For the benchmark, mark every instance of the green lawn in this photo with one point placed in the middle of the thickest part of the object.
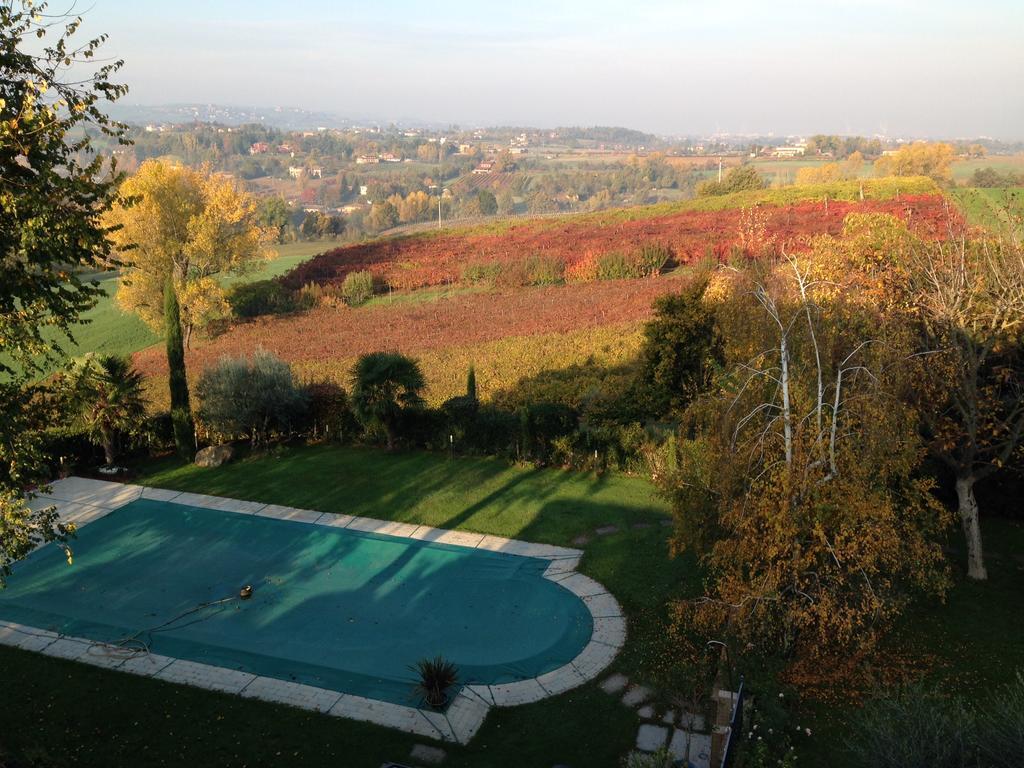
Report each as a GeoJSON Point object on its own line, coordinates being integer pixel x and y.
{"type": "Point", "coordinates": [107, 329]}
{"type": "Point", "coordinates": [65, 714]}
{"type": "Point", "coordinates": [61, 713]}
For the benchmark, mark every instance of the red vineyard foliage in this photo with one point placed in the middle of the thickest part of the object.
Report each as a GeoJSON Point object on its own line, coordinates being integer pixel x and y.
{"type": "Point", "coordinates": [334, 333]}
{"type": "Point", "coordinates": [424, 260]}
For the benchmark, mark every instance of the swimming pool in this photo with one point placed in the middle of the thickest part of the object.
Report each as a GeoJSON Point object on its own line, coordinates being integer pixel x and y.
{"type": "Point", "coordinates": [334, 606]}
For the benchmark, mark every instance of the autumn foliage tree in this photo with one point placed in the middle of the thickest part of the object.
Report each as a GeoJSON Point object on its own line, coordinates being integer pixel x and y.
{"type": "Point", "coordinates": [801, 488]}
{"type": "Point", "coordinates": [969, 292]}
{"type": "Point", "coordinates": [54, 188]}
{"type": "Point", "coordinates": [922, 158]}
{"type": "Point", "coordinates": [189, 225]}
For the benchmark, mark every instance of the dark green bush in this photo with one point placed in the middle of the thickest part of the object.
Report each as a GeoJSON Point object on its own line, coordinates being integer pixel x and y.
{"type": "Point", "coordinates": [262, 297]}
{"type": "Point", "coordinates": [329, 415]}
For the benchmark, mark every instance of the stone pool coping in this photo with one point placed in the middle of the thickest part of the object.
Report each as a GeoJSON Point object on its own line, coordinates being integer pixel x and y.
{"type": "Point", "coordinates": [80, 501]}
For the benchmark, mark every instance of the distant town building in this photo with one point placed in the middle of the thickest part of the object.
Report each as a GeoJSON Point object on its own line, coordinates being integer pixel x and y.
{"type": "Point", "coordinates": [259, 148]}
{"type": "Point", "coordinates": [487, 166]}
{"type": "Point", "coordinates": [295, 171]}
{"type": "Point", "coordinates": [791, 150]}
{"type": "Point", "coordinates": [315, 173]}
{"type": "Point", "coordinates": [367, 160]}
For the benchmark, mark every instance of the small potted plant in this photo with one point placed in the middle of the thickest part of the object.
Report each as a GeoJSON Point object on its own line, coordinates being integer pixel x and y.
{"type": "Point", "coordinates": [436, 676]}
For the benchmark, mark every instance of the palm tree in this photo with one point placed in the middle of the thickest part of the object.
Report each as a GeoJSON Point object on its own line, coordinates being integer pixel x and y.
{"type": "Point", "coordinates": [106, 394]}
{"type": "Point", "coordinates": [384, 385]}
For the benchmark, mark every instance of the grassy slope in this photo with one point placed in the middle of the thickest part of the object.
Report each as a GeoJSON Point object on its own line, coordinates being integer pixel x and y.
{"type": "Point", "coordinates": [110, 330]}
{"type": "Point", "coordinates": [1000, 209]}
{"type": "Point", "coordinates": [69, 714]}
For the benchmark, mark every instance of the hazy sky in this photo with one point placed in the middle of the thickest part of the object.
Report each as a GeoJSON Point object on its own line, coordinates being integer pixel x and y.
{"type": "Point", "coordinates": [923, 67]}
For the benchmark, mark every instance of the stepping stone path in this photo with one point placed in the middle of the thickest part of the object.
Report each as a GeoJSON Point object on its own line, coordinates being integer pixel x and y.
{"type": "Point", "coordinates": [429, 755]}
{"type": "Point", "coordinates": [614, 684]}
{"type": "Point", "coordinates": [605, 530]}
{"type": "Point", "coordinates": [641, 526]}
{"type": "Point", "coordinates": [651, 738]}
{"type": "Point", "coordinates": [636, 695]}
{"type": "Point", "coordinates": [692, 722]}
{"type": "Point", "coordinates": [700, 748]}
{"type": "Point", "coordinates": [581, 540]}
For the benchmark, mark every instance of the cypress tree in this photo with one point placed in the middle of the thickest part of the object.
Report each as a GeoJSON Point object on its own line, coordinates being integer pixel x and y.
{"type": "Point", "coordinates": [471, 384]}
{"type": "Point", "coordinates": [181, 412]}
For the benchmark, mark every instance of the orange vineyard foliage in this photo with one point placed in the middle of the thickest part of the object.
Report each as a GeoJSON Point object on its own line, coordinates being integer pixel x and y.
{"type": "Point", "coordinates": [427, 259]}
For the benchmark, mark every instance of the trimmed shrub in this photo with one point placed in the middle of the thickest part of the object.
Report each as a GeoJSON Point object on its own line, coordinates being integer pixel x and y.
{"type": "Point", "coordinates": [257, 399]}
{"type": "Point", "coordinates": [262, 297]}
{"type": "Point", "coordinates": [357, 288]}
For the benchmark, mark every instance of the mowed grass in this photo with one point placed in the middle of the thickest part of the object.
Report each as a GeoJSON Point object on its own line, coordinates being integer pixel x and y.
{"type": "Point", "coordinates": [60, 713]}
{"type": "Point", "coordinates": [475, 494]}
{"type": "Point", "coordinates": [108, 329]}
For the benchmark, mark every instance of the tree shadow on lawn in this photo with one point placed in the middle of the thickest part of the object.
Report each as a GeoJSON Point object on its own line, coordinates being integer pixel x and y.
{"type": "Point", "coordinates": [481, 495]}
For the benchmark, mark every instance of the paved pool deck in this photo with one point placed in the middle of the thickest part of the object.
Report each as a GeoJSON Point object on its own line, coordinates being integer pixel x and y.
{"type": "Point", "coordinates": [82, 501]}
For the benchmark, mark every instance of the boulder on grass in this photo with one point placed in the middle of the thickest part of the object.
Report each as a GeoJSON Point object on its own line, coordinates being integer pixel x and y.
{"type": "Point", "coordinates": [214, 456]}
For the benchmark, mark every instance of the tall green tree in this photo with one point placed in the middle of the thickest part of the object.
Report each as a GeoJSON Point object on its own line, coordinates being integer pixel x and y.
{"type": "Point", "coordinates": [107, 396]}
{"type": "Point", "coordinates": [54, 190]}
{"type": "Point", "coordinates": [181, 411]}
{"type": "Point", "coordinates": [682, 351]}
{"type": "Point", "coordinates": [384, 386]}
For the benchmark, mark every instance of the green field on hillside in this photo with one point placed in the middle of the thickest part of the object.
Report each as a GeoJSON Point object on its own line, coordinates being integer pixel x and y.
{"type": "Point", "coordinates": [963, 169]}
{"type": "Point", "coordinates": [1000, 210]}
{"type": "Point", "coordinates": [107, 329]}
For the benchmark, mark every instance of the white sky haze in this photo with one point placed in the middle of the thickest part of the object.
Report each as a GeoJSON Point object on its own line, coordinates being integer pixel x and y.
{"type": "Point", "coordinates": [903, 67]}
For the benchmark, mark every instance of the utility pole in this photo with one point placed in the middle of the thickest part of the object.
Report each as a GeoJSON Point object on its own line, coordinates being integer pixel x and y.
{"type": "Point", "coordinates": [719, 170]}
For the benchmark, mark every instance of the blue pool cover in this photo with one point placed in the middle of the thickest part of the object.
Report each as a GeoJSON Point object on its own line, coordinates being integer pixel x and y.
{"type": "Point", "coordinates": [335, 608]}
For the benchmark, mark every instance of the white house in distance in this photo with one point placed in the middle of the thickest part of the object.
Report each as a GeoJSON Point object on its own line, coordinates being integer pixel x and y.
{"type": "Point", "coordinates": [799, 149]}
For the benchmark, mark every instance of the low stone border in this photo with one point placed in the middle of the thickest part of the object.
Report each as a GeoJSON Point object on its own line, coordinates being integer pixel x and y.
{"type": "Point", "coordinates": [81, 500]}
